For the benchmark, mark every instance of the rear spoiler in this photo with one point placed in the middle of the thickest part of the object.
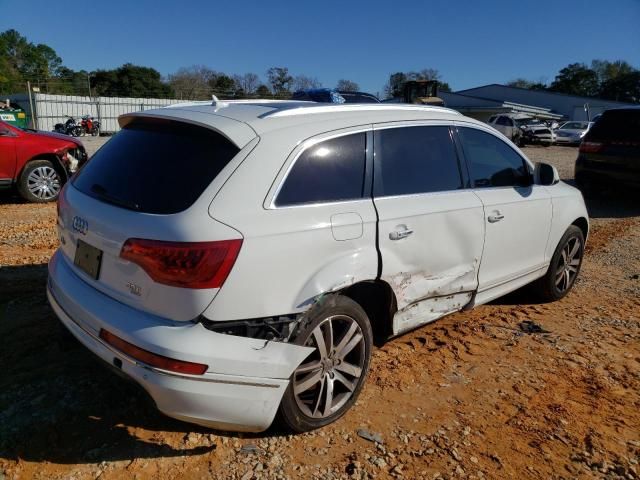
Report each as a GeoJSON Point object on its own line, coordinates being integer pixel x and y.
{"type": "Point", "coordinates": [238, 133]}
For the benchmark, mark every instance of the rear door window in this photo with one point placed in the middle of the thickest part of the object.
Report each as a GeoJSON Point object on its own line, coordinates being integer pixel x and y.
{"type": "Point", "coordinates": [493, 163]}
{"type": "Point", "coordinates": [411, 160]}
{"type": "Point", "coordinates": [155, 167]}
{"type": "Point", "coordinates": [329, 171]}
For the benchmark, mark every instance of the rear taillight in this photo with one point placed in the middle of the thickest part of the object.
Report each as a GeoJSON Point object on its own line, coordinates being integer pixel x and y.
{"type": "Point", "coordinates": [590, 147]}
{"type": "Point", "coordinates": [186, 265]}
{"type": "Point", "coordinates": [152, 359]}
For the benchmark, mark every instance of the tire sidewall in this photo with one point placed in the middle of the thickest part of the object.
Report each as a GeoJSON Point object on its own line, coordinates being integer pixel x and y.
{"type": "Point", "coordinates": [572, 231]}
{"type": "Point", "coordinates": [328, 306]}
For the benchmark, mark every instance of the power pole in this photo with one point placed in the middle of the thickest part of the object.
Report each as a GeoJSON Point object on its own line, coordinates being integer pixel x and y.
{"type": "Point", "coordinates": [33, 112]}
{"type": "Point", "coordinates": [89, 83]}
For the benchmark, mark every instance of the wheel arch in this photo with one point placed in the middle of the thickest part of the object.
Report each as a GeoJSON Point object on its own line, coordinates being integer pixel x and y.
{"type": "Point", "coordinates": [377, 299]}
{"type": "Point", "coordinates": [583, 224]}
{"type": "Point", "coordinates": [53, 158]}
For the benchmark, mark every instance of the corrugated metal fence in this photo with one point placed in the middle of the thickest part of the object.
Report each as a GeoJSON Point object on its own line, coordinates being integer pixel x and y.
{"type": "Point", "coordinates": [52, 109]}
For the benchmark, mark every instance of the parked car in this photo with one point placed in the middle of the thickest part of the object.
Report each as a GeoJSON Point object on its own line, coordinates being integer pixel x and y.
{"type": "Point", "coordinates": [37, 163]}
{"type": "Point", "coordinates": [523, 129]}
{"type": "Point", "coordinates": [293, 233]}
{"type": "Point", "coordinates": [330, 95]}
{"type": "Point", "coordinates": [610, 151]}
{"type": "Point", "coordinates": [571, 133]}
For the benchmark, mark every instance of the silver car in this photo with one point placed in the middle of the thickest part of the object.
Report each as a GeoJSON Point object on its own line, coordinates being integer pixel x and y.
{"type": "Point", "coordinates": [571, 133]}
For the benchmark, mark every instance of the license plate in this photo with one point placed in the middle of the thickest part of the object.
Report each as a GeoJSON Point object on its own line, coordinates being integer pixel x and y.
{"type": "Point", "coordinates": [88, 259]}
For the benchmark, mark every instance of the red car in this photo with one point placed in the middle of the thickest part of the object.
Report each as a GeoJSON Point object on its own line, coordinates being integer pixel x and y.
{"type": "Point", "coordinates": [37, 163]}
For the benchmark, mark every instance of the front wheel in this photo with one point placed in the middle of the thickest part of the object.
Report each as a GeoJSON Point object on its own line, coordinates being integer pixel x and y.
{"type": "Point", "coordinates": [564, 267]}
{"type": "Point", "coordinates": [329, 380]}
{"type": "Point", "coordinates": [40, 182]}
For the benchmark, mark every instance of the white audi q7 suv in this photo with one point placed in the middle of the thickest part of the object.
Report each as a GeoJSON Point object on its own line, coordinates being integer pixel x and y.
{"type": "Point", "coordinates": [236, 259]}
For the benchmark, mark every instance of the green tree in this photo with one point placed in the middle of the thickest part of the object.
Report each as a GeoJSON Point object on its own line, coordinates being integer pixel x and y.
{"type": "Point", "coordinates": [263, 91]}
{"type": "Point", "coordinates": [576, 79]}
{"type": "Point", "coordinates": [528, 84]}
{"type": "Point", "coordinates": [622, 88]}
{"type": "Point", "coordinates": [393, 88]}
{"type": "Point", "coordinates": [223, 85]}
{"type": "Point", "coordinates": [347, 85]}
{"type": "Point", "coordinates": [21, 60]}
{"type": "Point", "coordinates": [280, 80]}
{"type": "Point", "coordinates": [607, 70]}
{"type": "Point", "coordinates": [130, 81]}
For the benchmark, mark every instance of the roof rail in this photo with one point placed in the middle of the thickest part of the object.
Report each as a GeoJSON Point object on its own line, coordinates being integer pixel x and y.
{"type": "Point", "coordinates": [356, 108]}
{"type": "Point", "coordinates": [188, 104]}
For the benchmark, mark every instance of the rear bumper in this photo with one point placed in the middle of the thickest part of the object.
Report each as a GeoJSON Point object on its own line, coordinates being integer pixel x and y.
{"type": "Point", "coordinates": [568, 140]}
{"type": "Point", "coordinates": [246, 378]}
{"type": "Point", "coordinates": [600, 173]}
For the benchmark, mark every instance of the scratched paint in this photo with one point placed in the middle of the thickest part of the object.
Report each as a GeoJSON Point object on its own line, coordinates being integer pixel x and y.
{"type": "Point", "coordinates": [422, 298]}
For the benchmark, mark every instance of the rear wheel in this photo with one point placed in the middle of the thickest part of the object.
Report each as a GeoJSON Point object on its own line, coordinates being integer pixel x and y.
{"type": "Point", "coordinates": [329, 380]}
{"type": "Point", "coordinates": [564, 267]}
{"type": "Point", "coordinates": [40, 182]}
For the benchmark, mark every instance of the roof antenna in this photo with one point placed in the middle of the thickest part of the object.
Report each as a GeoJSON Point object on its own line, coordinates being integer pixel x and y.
{"type": "Point", "coordinates": [215, 100]}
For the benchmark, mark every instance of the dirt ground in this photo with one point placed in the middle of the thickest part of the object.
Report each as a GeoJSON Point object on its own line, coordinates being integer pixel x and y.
{"type": "Point", "coordinates": [513, 389]}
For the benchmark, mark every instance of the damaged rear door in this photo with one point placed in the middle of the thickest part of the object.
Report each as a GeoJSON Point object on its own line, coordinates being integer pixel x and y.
{"type": "Point", "coordinates": [431, 229]}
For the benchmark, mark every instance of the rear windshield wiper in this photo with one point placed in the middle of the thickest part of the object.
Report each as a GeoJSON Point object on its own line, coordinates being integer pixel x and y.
{"type": "Point", "coordinates": [102, 193]}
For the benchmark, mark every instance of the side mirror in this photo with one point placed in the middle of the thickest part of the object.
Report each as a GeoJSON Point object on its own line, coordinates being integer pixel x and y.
{"type": "Point", "coordinates": [545, 174]}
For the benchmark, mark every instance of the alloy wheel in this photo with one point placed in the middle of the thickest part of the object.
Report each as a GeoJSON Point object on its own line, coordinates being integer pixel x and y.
{"type": "Point", "coordinates": [44, 183]}
{"type": "Point", "coordinates": [327, 380]}
{"type": "Point", "coordinates": [568, 265]}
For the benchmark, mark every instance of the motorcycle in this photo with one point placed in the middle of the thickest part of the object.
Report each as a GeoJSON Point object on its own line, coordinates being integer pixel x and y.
{"type": "Point", "coordinates": [90, 126]}
{"type": "Point", "coordinates": [70, 127]}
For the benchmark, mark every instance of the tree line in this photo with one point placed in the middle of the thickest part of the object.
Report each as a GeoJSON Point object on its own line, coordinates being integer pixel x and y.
{"type": "Point", "coordinates": [22, 61]}
{"type": "Point", "coordinates": [617, 80]}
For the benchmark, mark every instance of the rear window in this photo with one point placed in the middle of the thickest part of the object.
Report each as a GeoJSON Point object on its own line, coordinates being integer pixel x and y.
{"type": "Point", "coordinates": [155, 167]}
{"type": "Point", "coordinates": [617, 126]}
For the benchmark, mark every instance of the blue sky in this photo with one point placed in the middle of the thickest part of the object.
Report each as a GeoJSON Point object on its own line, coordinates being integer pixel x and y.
{"type": "Point", "coordinates": [471, 43]}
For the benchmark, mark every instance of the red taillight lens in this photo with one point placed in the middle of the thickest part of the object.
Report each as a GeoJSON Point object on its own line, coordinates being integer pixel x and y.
{"type": "Point", "coordinates": [186, 265]}
{"type": "Point", "coordinates": [152, 359]}
{"type": "Point", "coordinates": [590, 147]}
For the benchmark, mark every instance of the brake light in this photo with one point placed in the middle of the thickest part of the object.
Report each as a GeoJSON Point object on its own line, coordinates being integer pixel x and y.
{"type": "Point", "coordinates": [152, 359]}
{"type": "Point", "coordinates": [181, 264]}
{"type": "Point", "coordinates": [590, 147]}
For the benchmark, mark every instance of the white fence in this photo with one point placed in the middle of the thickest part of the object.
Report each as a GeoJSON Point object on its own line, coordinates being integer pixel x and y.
{"type": "Point", "coordinates": [52, 109]}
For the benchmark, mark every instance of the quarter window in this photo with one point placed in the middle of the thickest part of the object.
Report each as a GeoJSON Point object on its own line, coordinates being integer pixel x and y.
{"type": "Point", "coordinates": [493, 163]}
{"type": "Point", "coordinates": [328, 171]}
{"type": "Point", "coordinates": [412, 160]}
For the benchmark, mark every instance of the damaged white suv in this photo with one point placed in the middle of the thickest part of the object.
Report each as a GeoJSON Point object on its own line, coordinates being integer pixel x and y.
{"type": "Point", "coordinates": [236, 259]}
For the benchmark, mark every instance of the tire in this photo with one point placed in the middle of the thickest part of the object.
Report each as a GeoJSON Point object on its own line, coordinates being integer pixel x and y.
{"type": "Point", "coordinates": [341, 370]}
{"type": "Point", "coordinates": [564, 267]}
{"type": "Point", "coordinates": [40, 182]}
{"type": "Point", "coordinates": [95, 131]}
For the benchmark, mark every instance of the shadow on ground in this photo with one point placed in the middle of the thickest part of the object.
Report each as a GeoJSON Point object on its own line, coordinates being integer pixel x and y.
{"type": "Point", "coordinates": [9, 196]}
{"type": "Point", "coordinates": [58, 402]}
